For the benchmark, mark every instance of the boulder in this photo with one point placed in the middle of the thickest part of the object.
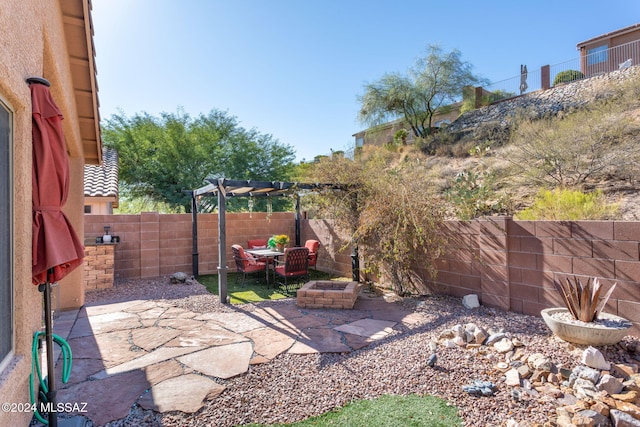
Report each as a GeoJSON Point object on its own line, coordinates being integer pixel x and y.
{"type": "Point", "coordinates": [622, 419]}
{"type": "Point", "coordinates": [178, 277]}
{"type": "Point", "coordinates": [610, 384]}
{"type": "Point", "coordinates": [593, 358]}
{"type": "Point", "coordinates": [470, 301]}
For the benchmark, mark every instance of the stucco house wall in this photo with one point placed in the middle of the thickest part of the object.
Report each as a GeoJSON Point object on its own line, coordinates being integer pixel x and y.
{"type": "Point", "coordinates": [50, 39]}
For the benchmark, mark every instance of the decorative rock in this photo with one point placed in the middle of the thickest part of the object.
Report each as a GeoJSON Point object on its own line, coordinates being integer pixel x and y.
{"type": "Point", "coordinates": [459, 331]}
{"type": "Point", "coordinates": [480, 388]}
{"type": "Point", "coordinates": [517, 343]}
{"type": "Point", "coordinates": [495, 338]}
{"type": "Point", "coordinates": [432, 360]}
{"type": "Point", "coordinates": [600, 408]}
{"type": "Point", "coordinates": [624, 370]}
{"type": "Point", "coordinates": [539, 362]}
{"type": "Point", "coordinates": [480, 335]}
{"type": "Point", "coordinates": [502, 366]}
{"type": "Point", "coordinates": [513, 377]}
{"type": "Point", "coordinates": [470, 301]}
{"type": "Point", "coordinates": [630, 396]}
{"type": "Point", "coordinates": [524, 371]}
{"type": "Point", "coordinates": [591, 419]}
{"type": "Point", "coordinates": [610, 384]}
{"type": "Point", "coordinates": [178, 277]}
{"type": "Point", "coordinates": [433, 346]}
{"type": "Point", "coordinates": [459, 341]}
{"type": "Point", "coordinates": [592, 375]}
{"type": "Point", "coordinates": [622, 419]}
{"type": "Point", "coordinates": [503, 346]}
{"type": "Point", "coordinates": [447, 333]}
{"type": "Point", "coordinates": [468, 336]}
{"type": "Point", "coordinates": [584, 389]}
{"type": "Point", "coordinates": [593, 358]}
{"type": "Point", "coordinates": [555, 378]}
{"type": "Point", "coordinates": [449, 344]}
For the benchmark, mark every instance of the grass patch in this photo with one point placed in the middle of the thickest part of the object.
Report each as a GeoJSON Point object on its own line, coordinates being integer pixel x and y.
{"type": "Point", "coordinates": [412, 410]}
{"type": "Point", "coordinates": [253, 290]}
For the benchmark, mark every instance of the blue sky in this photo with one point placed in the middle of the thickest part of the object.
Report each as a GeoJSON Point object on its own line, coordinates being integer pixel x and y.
{"type": "Point", "coordinates": [294, 68]}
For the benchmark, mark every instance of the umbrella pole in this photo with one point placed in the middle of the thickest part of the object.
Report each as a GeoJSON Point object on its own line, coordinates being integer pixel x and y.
{"type": "Point", "coordinates": [51, 383]}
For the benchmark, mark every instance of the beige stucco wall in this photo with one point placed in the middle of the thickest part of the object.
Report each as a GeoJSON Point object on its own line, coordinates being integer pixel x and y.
{"type": "Point", "coordinates": [33, 44]}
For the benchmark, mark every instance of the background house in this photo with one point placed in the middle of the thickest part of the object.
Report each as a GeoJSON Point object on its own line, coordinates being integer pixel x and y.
{"type": "Point", "coordinates": [611, 51]}
{"type": "Point", "coordinates": [50, 39]}
{"type": "Point", "coordinates": [384, 133]}
{"type": "Point", "coordinates": [101, 184]}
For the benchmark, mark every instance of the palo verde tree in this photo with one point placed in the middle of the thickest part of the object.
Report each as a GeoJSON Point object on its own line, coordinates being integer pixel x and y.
{"type": "Point", "coordinates": [389, 211]}
{"type": "Point", "coordinates": [159, 157]}
{"type": "Point", "coordinates": [434, 82]}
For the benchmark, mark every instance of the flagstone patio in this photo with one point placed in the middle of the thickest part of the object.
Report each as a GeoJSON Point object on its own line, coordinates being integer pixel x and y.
{"type": "Point", "coordinates": [166, 358]}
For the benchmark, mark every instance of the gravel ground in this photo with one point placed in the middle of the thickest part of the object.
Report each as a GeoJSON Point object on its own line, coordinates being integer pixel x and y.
{"type": "Point", "coordinates": [294, 387]}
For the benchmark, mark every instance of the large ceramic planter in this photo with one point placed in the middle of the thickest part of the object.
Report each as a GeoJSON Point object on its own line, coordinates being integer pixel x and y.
{"type": "Point", "coordinates": [610, 331]}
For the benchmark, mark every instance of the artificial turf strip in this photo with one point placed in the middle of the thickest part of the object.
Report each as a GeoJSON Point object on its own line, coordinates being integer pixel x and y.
{"type": "Point", "coordinates": [401, 411]}
{"type": "Point", "coordinates": [253, 290]}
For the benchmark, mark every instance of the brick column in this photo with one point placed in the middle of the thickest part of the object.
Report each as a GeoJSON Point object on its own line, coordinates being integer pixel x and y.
{"type": "Point", "coordinates": [98, 266]}
{"type": "Point", "coordinates": [494, 259]}
{"type": "Point", "coordinates": [149, 244]}
{"type": "Point", "coordinates": [545, 77]}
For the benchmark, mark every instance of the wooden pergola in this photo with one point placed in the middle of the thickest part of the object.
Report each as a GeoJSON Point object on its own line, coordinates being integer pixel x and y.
{"type": "Point", "coordinates": [224, 188]}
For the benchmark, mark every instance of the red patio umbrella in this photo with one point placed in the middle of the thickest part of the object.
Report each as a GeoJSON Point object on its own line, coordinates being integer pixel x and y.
{"type": "Point", "coordinates": [57, 250]}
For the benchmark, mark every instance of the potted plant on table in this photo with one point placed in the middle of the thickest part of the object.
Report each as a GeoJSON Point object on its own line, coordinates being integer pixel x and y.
{"type": "Point", "coordinates": [279, 241]}
{"type": "Point", "coordinates": [582, 321]}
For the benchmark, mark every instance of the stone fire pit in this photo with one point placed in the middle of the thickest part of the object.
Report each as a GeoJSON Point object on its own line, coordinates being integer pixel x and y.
{"type": "Point", "coordinates": [327, 294]}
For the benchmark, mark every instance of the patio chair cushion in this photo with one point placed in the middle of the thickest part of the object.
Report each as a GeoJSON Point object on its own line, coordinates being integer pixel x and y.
{"type": "Point", "coordinates": [257, 243]}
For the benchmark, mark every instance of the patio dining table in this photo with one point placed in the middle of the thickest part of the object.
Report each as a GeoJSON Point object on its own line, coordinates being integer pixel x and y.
{"type": "Point", "coordinates": [265, 253]}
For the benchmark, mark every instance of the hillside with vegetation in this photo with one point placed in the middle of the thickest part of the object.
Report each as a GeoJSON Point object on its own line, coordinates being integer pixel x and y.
{"type": "Point", "coordinates": [582, 163]}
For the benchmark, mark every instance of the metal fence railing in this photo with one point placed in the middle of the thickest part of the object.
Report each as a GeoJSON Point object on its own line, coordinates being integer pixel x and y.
{"type": "Point", "coordinates": [598, 61]}
{"type": "Point", "coordinates": [514, 86]}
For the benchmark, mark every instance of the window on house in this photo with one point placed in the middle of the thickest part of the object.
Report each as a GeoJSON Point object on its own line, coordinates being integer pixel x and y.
{"type": "Point", "coordinates": [87, 209]}
{"type": "Point", "coordinates": [597, 55]}
{"type": "Point", "coordinates": [359, 141]}
{"type": "Point", "coordinates": [6, 237]}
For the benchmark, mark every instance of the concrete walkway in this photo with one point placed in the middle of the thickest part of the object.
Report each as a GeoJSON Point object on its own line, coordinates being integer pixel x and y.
{"type": "Point", "coordinates": [166, 358]}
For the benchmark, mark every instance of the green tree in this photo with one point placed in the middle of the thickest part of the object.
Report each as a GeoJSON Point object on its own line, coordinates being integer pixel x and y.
{"type": "Point", "coordinates": [436, 80]}
{"type": "Point", "coordinates": [159, 157]}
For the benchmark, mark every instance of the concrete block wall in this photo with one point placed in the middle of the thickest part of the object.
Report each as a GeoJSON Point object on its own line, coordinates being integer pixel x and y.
{"type": "Point", "coordinates": [509, 264]}
{"type": "Point", "coordinates": [513, 264]}
{"type": "Point", "coordinates": [153, 244]}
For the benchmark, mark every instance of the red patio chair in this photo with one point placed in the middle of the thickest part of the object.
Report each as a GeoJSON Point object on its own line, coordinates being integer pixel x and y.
{"type": "Point", "coordinates": [313, 246]}
{"type": "Point", "coordinates": [246, 264]}
{"type": "Point", "coordinates": [257, 244]}
{"type": "Point", "coordinates": [295, 266]}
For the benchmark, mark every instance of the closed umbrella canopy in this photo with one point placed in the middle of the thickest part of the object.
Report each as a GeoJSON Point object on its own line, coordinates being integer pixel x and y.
{"type": "Point", "coordinates": [56, 246]}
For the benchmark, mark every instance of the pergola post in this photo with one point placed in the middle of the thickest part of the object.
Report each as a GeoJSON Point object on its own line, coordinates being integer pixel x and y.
{"type": "Point", "coordinates": [194, 235]}
{"type": "Point", "coordinates": [222, 243]}
{"type": "Point", "coordinates": [297, 219]}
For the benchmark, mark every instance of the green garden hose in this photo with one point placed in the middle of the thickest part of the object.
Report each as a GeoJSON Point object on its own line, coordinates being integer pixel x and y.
{"type": "Point", "coordinates": [35, 366]}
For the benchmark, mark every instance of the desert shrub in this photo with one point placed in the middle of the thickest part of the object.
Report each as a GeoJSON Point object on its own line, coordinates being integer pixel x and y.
{"type": "Point", "coordinates": [471, 195]}
{"type": "Point", "coordinates": [585, 146]}
{"type": "Point", "coordinates": [567, 76]}
{"type": "Point", "coordinates": [566, 204]}
{"type": "Point", "coordinates": [389, 210]}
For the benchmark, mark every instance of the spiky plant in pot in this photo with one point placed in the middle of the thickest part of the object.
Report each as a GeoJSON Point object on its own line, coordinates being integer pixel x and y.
{"type": "Point", "coordinates": [583, 301]}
